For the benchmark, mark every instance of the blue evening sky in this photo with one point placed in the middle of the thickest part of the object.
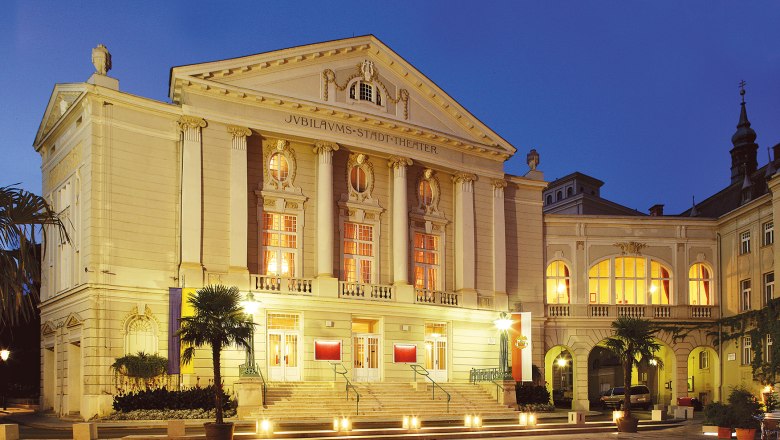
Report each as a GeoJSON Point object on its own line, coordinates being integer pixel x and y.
{"type": "Point", "coordinates": [642, 95]}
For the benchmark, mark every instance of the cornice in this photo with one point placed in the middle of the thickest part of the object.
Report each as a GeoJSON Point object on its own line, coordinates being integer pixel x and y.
{"type": "Point", "coordinates": [270, 100]}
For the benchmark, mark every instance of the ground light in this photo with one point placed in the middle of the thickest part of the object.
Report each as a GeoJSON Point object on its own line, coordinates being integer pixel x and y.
{"type": "Point", "coordinates": [472, 421]}
{"type": "Point", "coordinates": [617, 415]}
{"type": "Point", "coordinates": [264, 427]}
{"type": "Point", "coordinates": [342, 424]}
{"type": "Point", "coordinates": [527, 419]}
{"type": "Point", "coordinates": [410, 422]}
{"type": "Point", "coordinates": [4, 355]}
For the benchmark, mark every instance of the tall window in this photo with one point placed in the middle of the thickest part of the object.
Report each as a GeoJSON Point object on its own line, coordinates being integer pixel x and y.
{"type": "Point", "coordinates": [598, 283]}
{"type": "Point", "coordinates": [558, 283]}
{"type": "Point", "coordinates": [769, 233]}
{"type": "Point", "coordinates": [660, 287]}
{"type": "Point", "coordinates": [744, 243]}
{"type": "Point", "coordinates": [630, 279]}
{"type": "Point", "coordinates": [280, 244]}
{"type": "Point", "coordinates": [358, 252]}
{"type": "Point", "coordinates": [704, 360]}
{"type": "Point", "coordinates": [747, 350]}
{"type": "Point", "coordinates": [769, 287]}
{"type": "Point", "coordinates": [744, 289]}
{"type": "Point", "coordinates": [426, 261]}
{"type": "Point", "coordinates": [700, 285]}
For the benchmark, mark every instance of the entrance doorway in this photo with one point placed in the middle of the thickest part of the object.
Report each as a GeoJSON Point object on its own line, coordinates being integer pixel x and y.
{"type": "Point", "coordinates": [436, 350]}
{"type": "Point", "coordinates": [284, 348]}
{"type": "Point", "coordinates": [74, 378]}
{"type": "Point", "coordinates": [366, 347]}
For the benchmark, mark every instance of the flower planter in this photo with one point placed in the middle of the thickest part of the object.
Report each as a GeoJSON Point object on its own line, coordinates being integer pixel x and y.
{"type": "Point", "coordinates": [219, 431]}
{"type": "Point", "coordinates": [627, 425]}
{"type": "Point", "coordinates": [746, 434]}
{"type": "Point", "coordinates": [724, 432]}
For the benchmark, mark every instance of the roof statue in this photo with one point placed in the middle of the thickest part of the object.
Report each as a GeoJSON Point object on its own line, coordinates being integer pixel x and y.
{"type": "Point", "coordinates": [101, 59]}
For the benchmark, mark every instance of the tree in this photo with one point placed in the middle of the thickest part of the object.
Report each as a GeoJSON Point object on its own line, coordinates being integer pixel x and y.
{"type": "Point", "coordinates": [23, 219]}
{"type": "Point", "coordinates": [632, 341]}
{"type": "Point", "coordinates": [219, 321]}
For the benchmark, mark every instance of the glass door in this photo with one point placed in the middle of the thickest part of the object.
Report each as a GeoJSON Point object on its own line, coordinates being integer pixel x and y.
{"type": "Point", "coordinates": [283, 348]}
{"type": "Point", "coordinates": [436, 351]}
{"type": "Point", "coordinates": [366, 354]}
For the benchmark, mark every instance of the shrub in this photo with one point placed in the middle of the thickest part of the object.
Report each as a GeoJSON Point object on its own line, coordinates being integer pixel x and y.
{"type": "Point", "coordinates": [745, 408]}
{"type": "Point", "coordinates": [143, 370]}
{"type": "Point", "coordinates": [162, 398]}
{"type": "Point", "coordinates": [718, 414]}
{"type": "Point", "coordinates": [536, 407]}
{"type": "Point", "coordinates": [528, 393]}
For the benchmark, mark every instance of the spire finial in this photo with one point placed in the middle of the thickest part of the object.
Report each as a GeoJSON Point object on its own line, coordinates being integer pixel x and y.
{"type": "Point", "coordinates": [694, 212]}
{"type": "Point", "coordinates": [742, 85]}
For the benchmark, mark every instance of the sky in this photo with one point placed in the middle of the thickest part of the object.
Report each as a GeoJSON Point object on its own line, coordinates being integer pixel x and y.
{"type": "Point", "coordinates": [640, 94]}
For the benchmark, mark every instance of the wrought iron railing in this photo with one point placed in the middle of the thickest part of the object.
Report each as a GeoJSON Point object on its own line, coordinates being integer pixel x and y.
{"type": "Point", "coordinates": [248, 370]}
{"type": "Point", "coordinates": [485, 375]}
{"type": "Point", "coordinates": [348, 386]}
{"type": "Point", "coordinates": [420, 370]}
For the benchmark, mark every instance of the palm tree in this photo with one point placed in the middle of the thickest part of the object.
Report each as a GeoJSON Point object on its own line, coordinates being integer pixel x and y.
{"type": "Point", "coordinates": [219, 321]}
{"type": "Point", "coordinates": [632, 341]}
{"type": "Point", "coordinates": [23, 216]}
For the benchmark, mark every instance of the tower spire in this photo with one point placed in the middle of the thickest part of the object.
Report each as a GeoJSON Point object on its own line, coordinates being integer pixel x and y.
{"type": "Point", "coordinates": [743, 155]}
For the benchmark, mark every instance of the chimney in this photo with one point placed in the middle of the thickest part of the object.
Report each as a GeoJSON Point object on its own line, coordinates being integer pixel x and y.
{"type": "Point", "coordinates": [657, 210]}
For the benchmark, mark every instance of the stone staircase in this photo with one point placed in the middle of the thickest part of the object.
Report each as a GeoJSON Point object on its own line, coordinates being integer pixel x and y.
{"type": "Point", "coordinates": [321, 401]}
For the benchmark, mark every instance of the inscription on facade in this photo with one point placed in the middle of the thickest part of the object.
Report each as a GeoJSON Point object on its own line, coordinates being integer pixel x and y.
{"type": "Point", "coordinates": [363, 133]}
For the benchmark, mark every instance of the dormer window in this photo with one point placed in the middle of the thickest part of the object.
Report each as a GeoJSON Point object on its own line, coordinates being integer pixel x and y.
{"type": "Point", "coordinates": [365, 91]}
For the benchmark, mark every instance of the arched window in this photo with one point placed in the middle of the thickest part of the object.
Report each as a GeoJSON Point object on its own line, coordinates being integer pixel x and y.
{"type": "Point", "coordinates": [559, 196]}
{"type": "Point", "coordinates": [569, 192]}
{"type": "Point", "coordinates": [549, 199]}
{"type": "Point", "coordinates": [365, 91]}
{"type": "Point", "coordinates": [140, 336]}
{"type": "Point", "coordinates": [599, 283]}
{"type": "Point", "coordinates": [700, 285]}
{"type": "Point", "coordinates": [558, 283]}
{"type": "Point", "coordinates": [635, 280]}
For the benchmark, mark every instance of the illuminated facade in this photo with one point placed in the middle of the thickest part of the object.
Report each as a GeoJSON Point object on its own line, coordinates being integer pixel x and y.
{"type": "Point", "coordinates": [366, 210]}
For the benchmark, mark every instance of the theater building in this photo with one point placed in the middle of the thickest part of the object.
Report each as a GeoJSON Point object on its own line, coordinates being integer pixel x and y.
{"type": "Point", "coordinates": [369, 214]}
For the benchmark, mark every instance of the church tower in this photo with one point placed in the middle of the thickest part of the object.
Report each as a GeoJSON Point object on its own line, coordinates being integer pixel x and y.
{"type": "Point", "coordinates": [743, 155]}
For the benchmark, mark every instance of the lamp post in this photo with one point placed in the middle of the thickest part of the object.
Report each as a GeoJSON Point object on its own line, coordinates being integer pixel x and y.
{"type": "Point", "coordinates": [250, 305]}
{"type": "Point", "coordinates": [502, 324]}
{"type": "Point", "coordinates": [4, 354]}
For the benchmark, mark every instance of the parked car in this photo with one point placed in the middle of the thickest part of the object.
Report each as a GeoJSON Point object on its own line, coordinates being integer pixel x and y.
{"type": "Point", "coordinates": [640, 397]}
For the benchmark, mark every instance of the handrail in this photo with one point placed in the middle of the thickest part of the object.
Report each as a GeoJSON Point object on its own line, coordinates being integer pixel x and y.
{"type": "Point", "coordinates": [245, 370]}
{"type": "Point", "coordinates": [348, 385]}
{"type": "Point", "coordinates": [416, 370]}
{"type": "Point", "coordinates": [497, 387]}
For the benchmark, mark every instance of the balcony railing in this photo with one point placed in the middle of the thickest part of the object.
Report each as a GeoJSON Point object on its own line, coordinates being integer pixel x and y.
{"type": "Point", "coordinates": [634, 311]}
{"type": "Point", "coordinates": [374, 292]}
{"type": "Point", "coordinates": [277, 284]}
{"type": "Point", "coordinates": [426, 296]}
{"type": "Point", "coordinates": [485, 302]}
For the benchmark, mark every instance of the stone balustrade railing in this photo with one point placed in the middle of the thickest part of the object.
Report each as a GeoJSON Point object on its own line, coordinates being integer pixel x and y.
{"type": "Point", "coordinates": [277, 284]}
{"type": "Point", "coordinates": [612, 311]}
{"type": "Point", "coordinates": [426, 296]}
{"type": "Point", "coordinates": [373, 292]}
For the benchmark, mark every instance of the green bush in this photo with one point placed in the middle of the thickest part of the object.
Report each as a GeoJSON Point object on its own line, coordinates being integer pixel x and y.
{"type": "Point", "coordinates": [162, 398]}
{"type": "Point", "coordinates": [528, 393]}
{"type": "Point", "coordinates": [745, 408]}
{"type": "Point", "coordinates": [718, 414]}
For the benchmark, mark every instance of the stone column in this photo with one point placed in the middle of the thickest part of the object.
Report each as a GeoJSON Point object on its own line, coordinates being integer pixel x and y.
{"type": "Point", "coordinates": [464, 238]}
{"type": "Point", "coordinates": [238, 205]}
{"type": "Point", "coordinates": [191, 270]}
{"type": "Point", "coordinates": [325, 226]}
{"type": "Point", "coordinates": [499, 246]}
{"type": "Point", "coordinates": [400, 220]}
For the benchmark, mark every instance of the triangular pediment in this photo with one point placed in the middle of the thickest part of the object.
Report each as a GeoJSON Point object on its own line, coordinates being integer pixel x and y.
{"type": "Point", "coordinates": [73, 321]}
{"type": "Point", "coordinates": [323, 76]}
{"type": "Point", "coordinates": [48, 328]}
{"type": "Point", "coordinates": [61, 100]}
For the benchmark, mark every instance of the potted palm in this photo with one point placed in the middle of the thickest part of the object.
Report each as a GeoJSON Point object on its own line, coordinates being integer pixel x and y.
{"type": "Point", "coordinates": [746, 411]}
{"type": "Point", "coordinates": [632, 341]}
{"type": "Point", "coordinates": [218, 322]}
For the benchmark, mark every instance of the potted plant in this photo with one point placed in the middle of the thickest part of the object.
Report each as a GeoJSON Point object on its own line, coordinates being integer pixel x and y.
{"type": "Point", "coordinates": [747, 412]}
{"type": "Point", "coordinates": [719, 415]}
{"type": "Point", "coordinates": [218, 322]}
{"type": "Point", "coordinates": [632, 341]}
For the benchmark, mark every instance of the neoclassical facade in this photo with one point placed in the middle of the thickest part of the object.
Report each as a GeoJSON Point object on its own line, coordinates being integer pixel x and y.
{"type": "Point", "coordinates": [371, 217]}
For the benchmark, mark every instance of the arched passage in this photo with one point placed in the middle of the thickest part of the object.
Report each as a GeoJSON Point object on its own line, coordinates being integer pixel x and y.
{"type": "Point", "coordinates": [559, 375]}
{"type": "Point", "coordinates": [605, 372]}
{"type": "Point", "coordinates": [704, 374]}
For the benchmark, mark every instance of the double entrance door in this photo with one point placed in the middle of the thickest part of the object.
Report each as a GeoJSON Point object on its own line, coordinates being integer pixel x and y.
{"type": "Point", "coordinates": [366, 357]}
{"type": "Point", "coordinates": [436, 351]}
{"type": "Point", "coordinates": [284, 348]}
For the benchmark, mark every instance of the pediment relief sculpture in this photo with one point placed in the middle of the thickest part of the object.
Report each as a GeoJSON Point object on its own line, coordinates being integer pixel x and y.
{"type": "Point", "coordinates": [364, 85]}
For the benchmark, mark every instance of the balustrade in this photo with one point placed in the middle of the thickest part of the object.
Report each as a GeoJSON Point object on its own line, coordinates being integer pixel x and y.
{"type": "Point", "coordinates": [277, 284]}
{"type": "Point", "coordinates": [374, 292]}
{"type": "Point", "coordinates": [558, 310]}
{"type": "Point", "coordinates": [427, 296]}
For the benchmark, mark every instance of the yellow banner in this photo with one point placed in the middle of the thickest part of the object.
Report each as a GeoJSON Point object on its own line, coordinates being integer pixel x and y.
{"type": "Point", "coordinates": [187, 310]}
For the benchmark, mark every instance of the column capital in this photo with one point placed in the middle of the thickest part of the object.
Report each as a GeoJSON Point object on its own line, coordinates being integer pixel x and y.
{"type": "Point", "coordinates": [463, 177]}
{"type": "Point", "coordinates": [498, 183]}
{"type": "Point", "coordinates": [399, 161]}
{"type": "Point", "coordinates": [321, 147]}
{"type": "Point", "coordinates": [238, 131]}
{"type": "Point", "coordinates": [191, 122]}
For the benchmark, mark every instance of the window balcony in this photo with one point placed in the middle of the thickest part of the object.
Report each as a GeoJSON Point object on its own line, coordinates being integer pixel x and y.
{"type": "Point", "coordinates": [371, 292]}
{"type": "Point", "coordinates": [436, 297]}
{"type": "Point", "coordinates": [277, 284]}
{"type": "Point", "coordinates": [612, 311]}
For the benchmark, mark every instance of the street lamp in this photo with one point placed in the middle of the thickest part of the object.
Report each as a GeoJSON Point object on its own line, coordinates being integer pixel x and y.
{"type": "Point", "coordinates": [4, 353]}
{"type": "Point", "coordinates": [502, 324]}
{"type": "Point", "coordinates": [250, 306]}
